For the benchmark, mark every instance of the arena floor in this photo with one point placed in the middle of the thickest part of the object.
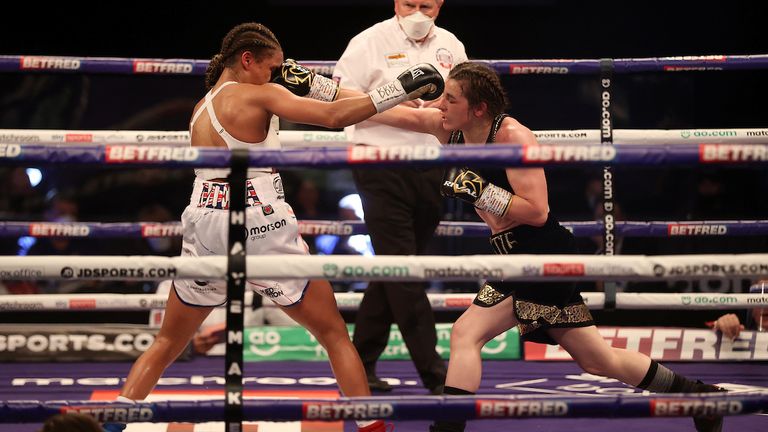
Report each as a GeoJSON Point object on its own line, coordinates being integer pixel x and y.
{"type": "Point", "coordinates": [193, 380]}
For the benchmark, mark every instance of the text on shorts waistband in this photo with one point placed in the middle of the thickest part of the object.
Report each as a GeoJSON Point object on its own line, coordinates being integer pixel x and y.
{"type": "Point", "coordinates": [215, 195]}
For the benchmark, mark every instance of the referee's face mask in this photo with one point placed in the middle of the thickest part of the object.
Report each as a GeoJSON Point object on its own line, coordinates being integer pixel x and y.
{"type": "Point", "coordinates": [416, 26]}
{"type": "Point", "coordinates": [416, 17]}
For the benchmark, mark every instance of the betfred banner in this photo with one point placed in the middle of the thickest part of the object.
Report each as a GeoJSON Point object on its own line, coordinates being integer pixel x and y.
{"type": "Point", "coordinates": [670, 344]}
{"type": "Point", "coordinates": [73, 342]}
{"type": "Point", "coordinates": [296, 343]}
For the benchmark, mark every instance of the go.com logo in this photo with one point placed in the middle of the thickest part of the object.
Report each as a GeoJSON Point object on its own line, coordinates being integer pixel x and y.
{"type": "Point", "coordinates": [688, 300]}
{"type": "Point", "coordinates": [707, 133]}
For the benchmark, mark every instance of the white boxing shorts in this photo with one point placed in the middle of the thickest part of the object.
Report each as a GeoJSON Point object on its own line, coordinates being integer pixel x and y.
{"type": "Point", "coordinates": [271, 226]}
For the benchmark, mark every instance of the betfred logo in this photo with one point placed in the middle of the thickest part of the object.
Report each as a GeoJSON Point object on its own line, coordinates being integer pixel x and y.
{"type": "Point", "coordinates": [161, 230]}
{"type": "Point", "coordinates": [733, 152]}
{"type": "Point", "coordinates": [82, 304]}
{"type": "Point", "coordinates": [49, 63]}
{"type": "Point", "coordinates": [360, 153]}
{"type": "Point", "coordinates": [686, 408]}
{"type": "Point", "coordinates": [340, 411]}
{"type": "Point", "coordinates": [696, 229]}
{"type": "Point", "coordinates": [566, 153]}
{"type": "Point", "coordinates": [563, 269]}
{"type": "Point", "coordinates": [44, 229]}
{"type": "Point", "coordinates": [523, 408]}
{"type": "Point", "coordinates": [108, 413]}
{"type": "Point", "coordinates": [10, 150]}
{"type": "Point", "coordinates": [78, 138]}
{"type": "Point", "coordinates": [533, 69]}
{"type": "Point", "coordinates": [159, 67]}
{"type": "Point", "coordinates": [133, 153]}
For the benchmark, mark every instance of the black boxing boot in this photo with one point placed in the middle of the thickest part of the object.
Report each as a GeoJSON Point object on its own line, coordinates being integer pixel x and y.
{"type": "Point", "coordinates": [450, 425]}
{"type": "Point", "coordinates": [659, 379]}
{"type": "Point", "coordinates": [710, 423]}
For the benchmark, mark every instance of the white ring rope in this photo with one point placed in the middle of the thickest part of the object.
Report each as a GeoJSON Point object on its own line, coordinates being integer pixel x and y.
{"type": "Point", "coordinates": [351, 301]}
{"type": "Point", "coordinates": [391, 267]}
{"type": "Point", "coordinates": [310, 138]}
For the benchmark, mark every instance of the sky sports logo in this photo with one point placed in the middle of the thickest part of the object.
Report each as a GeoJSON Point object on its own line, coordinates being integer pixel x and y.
{"type": "Point", "coordinates": [563, 269]}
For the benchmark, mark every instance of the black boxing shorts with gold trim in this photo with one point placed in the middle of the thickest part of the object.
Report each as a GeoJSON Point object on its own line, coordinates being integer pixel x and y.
{"type": "Point", "coordinates": [537, 305]}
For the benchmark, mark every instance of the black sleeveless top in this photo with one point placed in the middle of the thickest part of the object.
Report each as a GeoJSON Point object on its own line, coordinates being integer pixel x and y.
{"type": "Point", "coordinates": [497, 176]}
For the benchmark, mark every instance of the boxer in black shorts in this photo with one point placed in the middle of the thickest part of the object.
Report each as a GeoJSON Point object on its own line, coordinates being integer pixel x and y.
{"type": "Point", "coordinates": [537, 305]}
{"type": "Point", "coordinates": [513, 202]}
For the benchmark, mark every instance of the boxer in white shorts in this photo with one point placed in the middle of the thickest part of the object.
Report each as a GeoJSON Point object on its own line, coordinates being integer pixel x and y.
{"type": "Point", "coordinates": [250, 85]}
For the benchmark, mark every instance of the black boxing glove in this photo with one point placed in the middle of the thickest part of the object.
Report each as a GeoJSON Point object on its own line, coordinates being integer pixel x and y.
{"type": "Point", "coordinates": [420, 81]}
{"type": "Point", "coordinates": [467, 185]}
{"type": "Point", "coordinates": [303, 82]}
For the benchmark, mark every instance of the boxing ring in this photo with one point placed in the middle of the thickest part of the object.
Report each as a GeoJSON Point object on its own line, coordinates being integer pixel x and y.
{"type": "Point", "coordinates": [530, 395]}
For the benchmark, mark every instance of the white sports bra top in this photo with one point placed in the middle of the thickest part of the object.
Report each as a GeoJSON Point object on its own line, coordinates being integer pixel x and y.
{"type": "Point", "coordinates": [272, 140]}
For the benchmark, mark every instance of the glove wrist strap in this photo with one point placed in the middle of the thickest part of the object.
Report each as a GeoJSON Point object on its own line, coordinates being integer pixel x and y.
{"type": "Point", "coordinates": [494, 200]}
{"type": "Point", "coordinates": [388, 95]}
{"type": "Point", "coordinates": [324, 89]}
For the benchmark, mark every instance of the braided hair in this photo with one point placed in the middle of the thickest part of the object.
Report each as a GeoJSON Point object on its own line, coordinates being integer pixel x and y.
{"type": "Point", "coordinates": [480, 83]}
{"type": "Point", "coordinates": [253, 37]}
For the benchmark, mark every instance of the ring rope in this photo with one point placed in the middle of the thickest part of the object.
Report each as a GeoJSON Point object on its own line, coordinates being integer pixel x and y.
{"type": "Point", "coordinates": [391, 267]}
{"type": "Point", "coordinates": [355, 227]}
{"type": "Point", "coordinates": [399, 408]}
{"type": "Point", "coordinates": [294, 138]}
{"type": "Point", "coordinates": [503, 154]}
{"type": "Point", "coordinates": [351, 301]}
{"type": "Point", "coordinates": [144, 66]}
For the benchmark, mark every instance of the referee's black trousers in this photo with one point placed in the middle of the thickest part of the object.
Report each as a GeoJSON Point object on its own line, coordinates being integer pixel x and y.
{"type": "Point", "coordinates": [402, 210]}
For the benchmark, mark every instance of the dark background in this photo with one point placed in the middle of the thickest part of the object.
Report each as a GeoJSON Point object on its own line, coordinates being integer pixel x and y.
{"type": "Point", "coordinates": [319, 30]}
